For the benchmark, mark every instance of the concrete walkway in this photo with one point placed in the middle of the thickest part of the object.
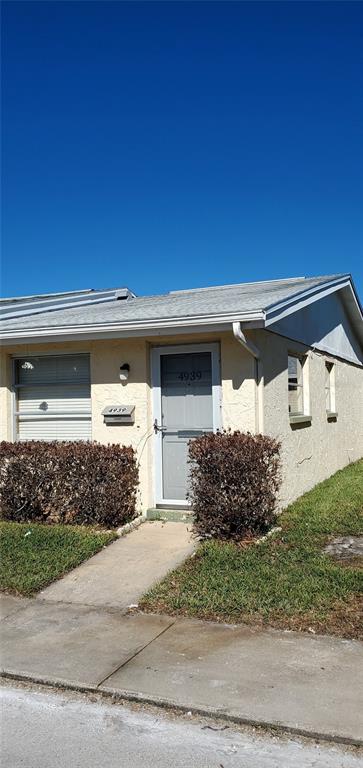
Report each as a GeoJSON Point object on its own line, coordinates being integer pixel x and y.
{"type": "Point", "coordinates": [118, 575]}
{"type": "Point", "coordinates": [305, 684]}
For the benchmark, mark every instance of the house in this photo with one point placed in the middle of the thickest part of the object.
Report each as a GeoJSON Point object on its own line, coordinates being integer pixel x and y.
{"type": "Point", "coordinates": [281, 357]}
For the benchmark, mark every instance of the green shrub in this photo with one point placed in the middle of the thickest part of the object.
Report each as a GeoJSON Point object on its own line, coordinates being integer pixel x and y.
{"type": "Point", "coordinates": [234, 479]}
{"type": "Point", "coordinates": [68, 482]}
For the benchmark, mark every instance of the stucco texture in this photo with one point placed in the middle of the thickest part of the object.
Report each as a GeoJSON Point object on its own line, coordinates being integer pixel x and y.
{"type": "Point", "coordinates": [310, 452]}
{"type": "Point", "coordinates": [237, 391]}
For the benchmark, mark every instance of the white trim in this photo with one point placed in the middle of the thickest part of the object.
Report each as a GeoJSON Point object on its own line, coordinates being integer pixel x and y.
{"type": "Point", "coordinates": [295, 303]}
{"type": "Point", "coordinates": [156, 414]}
{"type": "Point", "coordinates": [156, 353]}
{"type": "Point", "coordinates": [304, 359]}
{"type": "Point", "coordinates": [152, 334]}
{"type": "Point", "coordinates": [173, 503]}
{"type": "Point", "coordinates": [332, 388]}
{"type": "Point", "coordinates": [144, 326]}
{"type": "Point", "coordinates": [13, 404]}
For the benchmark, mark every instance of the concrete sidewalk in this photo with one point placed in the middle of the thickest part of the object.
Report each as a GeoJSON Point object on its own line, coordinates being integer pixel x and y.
{"type": "Point", "coordinates": [309, 685]}
{"type": "Point", "coordinates": [118, 575]}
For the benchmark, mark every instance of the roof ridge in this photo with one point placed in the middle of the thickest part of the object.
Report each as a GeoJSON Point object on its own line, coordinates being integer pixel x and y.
{"type": "Point", "coordinates": [235, 285]}
{"type": "Point", "coordinates": [257, 282]}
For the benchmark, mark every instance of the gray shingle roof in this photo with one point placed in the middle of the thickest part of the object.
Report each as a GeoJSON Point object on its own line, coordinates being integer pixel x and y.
{"type": "Point", "coordinates": [241, 298]}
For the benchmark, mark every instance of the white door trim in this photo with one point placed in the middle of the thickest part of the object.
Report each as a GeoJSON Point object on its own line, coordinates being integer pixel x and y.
{"type": "Point", "coordinates": [182, 349]}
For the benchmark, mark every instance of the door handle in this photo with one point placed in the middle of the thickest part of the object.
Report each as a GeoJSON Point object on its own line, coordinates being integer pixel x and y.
{"type": "Point", "coordinates": [157, 428]}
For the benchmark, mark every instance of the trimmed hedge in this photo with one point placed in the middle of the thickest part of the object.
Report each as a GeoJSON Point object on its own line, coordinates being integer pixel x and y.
{"type": "Point", "coordinates": [234, 480]}
{"type": "Point", "coordinates": [68, 482]}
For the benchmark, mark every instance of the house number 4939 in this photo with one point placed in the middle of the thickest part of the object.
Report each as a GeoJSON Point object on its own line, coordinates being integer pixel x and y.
{"type": "Point", "coordinates": [190, 375]}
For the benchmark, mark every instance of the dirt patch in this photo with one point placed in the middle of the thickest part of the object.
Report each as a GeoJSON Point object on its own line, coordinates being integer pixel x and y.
{"type": "Point", "coordinates": [346, 548]}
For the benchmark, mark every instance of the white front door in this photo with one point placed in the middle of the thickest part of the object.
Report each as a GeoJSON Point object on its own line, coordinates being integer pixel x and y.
{"type": "Point", "coordinates": [186, 386]}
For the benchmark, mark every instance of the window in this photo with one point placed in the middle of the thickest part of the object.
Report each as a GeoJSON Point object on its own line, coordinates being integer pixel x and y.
{"type": "Point", "coordinates": [53, 397]}
{"type": "Point", "coordinates": [329, 388]}
{"type": "Point", "coordinates": [296, 388]}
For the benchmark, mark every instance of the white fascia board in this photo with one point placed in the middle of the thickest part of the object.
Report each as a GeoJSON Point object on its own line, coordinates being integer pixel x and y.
{"type": "Point", "coordinates": [288, 307]}
{"type": "Point", "coordinates": [88, 336]}
{"type": "Point", "coordinates": [352, 300]}
{"type": "Point", "coordinates": [165, 326]}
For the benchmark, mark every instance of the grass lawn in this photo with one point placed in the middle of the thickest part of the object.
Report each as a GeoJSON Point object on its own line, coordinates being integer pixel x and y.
{"type": "Point", "coordinates": [286, 581]}
{"type": "Point", "coordinates": [30, 562]}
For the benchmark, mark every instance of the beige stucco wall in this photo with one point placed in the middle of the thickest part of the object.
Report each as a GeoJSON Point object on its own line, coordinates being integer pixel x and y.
{"type": "Point", "coordinates": [237, 391]}
{"type": "Point", "coordinates": [311, 453]}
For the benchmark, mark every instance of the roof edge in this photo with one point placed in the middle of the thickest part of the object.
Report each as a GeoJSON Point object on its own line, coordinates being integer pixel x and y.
{"type": "Point", "coordinates": [262, 317]}
{"type": "Point", "coordinates": [203, 321]}
{"type": "Point", "coordinates": [52, 302]}
{"type": "Point", "coordinates": [287, 306]}
{"type": "Point", "coordinates": [349, 296]}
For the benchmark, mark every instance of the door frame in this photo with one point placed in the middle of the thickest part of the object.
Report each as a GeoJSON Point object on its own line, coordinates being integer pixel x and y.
{"type": "Point", "coordinates": [180, 349]}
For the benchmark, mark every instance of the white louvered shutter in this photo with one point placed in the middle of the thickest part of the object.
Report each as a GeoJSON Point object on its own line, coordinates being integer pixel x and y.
{"type": "Point", "coordinates": [53, 398]}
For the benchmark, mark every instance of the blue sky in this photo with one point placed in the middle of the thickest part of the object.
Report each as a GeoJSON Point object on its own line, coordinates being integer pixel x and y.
{"type": "Point", "coordinates": [171, 145]}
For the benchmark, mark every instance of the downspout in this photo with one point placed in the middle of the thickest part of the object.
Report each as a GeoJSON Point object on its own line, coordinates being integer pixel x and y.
{"type": "Point", "coordinates": [259, 377]}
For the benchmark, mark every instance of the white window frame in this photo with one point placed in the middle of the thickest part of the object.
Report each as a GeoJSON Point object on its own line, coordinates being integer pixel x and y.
{"type": "Point", "coordinates": [303, 416]}
{"type": "Point", "coordinates": [33, 417]}
{"type": "Point", "coordinates": [329, 367]}
{"type": "Point", "coordinates": [180, 349]}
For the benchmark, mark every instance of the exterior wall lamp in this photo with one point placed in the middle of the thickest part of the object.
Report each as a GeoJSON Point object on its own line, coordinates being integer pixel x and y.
{"type": "Point", "coordinates": [124, 372]}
